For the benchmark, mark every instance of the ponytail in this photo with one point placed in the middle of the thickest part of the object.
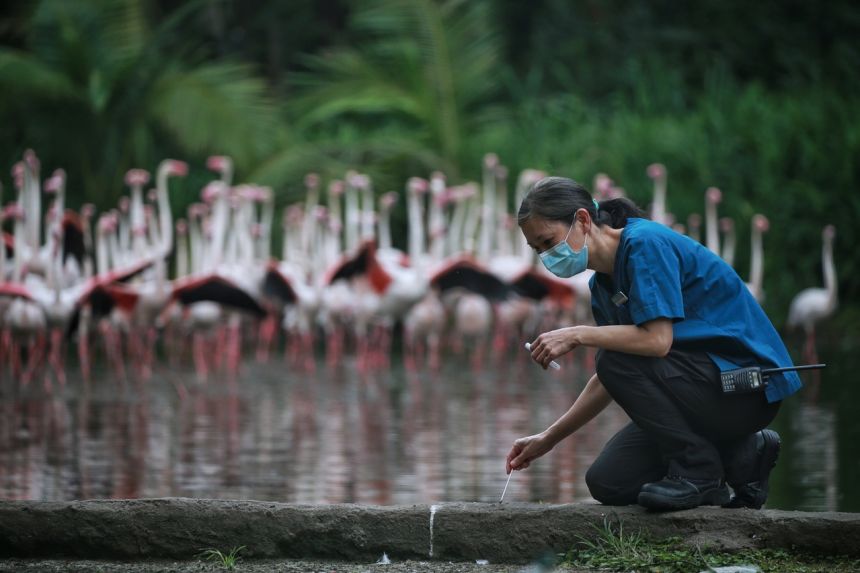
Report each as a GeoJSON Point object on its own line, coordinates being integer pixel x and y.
{"type": "Point", "coordinates": [615, 212]}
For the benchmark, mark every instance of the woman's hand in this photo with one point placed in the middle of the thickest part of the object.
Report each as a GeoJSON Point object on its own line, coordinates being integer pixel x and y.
{"type": "Point", "coordinates": [552, 344]}
{"type": "Point", "coordinates": [525, 450]}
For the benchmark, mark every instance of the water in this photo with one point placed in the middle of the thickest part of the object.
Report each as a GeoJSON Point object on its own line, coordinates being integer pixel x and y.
{"type": "Point", "coordinates": [335, 436]}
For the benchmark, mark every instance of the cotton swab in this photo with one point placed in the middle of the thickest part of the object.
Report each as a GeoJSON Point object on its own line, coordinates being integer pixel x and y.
{"type": "Point", "coordinates": [552, 364]}
{"type": "Point", "coordinates": [510, 475]}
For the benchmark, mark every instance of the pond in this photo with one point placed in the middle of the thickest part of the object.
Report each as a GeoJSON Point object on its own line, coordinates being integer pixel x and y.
{"type": "Point", "coordinates": [335, 435]}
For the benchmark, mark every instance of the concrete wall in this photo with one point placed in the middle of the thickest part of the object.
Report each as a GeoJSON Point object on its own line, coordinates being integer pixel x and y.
{"type": "Point", "coordinates": [180, 528]}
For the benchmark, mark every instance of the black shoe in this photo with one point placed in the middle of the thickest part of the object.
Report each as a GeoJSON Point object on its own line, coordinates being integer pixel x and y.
{"type": "Point", "coordinates": [673, 492]}
{"type": "Point", "coordinates": [753, 494]}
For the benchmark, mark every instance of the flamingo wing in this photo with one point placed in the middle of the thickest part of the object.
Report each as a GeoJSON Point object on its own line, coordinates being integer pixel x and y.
{"type": "Point", "coordinates": [220, 290]}
{"type": "Point", "coordinates": [469, 276]}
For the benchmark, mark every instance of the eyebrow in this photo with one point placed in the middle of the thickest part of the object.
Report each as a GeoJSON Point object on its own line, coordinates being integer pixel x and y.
{"type": "Point", "coordinates": [540, 240]}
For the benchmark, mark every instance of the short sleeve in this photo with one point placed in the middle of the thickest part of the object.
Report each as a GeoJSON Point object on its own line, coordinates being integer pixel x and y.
{"type": "Point", "coordinates": [653, 269]}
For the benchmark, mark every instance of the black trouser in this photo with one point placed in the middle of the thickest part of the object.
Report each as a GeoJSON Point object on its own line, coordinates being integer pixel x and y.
{"type": "Point", "coordinates": [683, 424]}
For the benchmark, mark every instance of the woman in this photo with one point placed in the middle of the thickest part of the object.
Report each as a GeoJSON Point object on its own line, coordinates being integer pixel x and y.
{"type": "Point", "coordinates": [670, 316]}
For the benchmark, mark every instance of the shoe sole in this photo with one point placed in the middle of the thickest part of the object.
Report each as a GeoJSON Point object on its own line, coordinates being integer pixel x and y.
{"type": "Point", "coordinates": [716, 496]}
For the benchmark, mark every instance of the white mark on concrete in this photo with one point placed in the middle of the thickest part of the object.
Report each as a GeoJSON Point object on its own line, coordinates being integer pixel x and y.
{"type": "Point", "coordinates": [432, 515]}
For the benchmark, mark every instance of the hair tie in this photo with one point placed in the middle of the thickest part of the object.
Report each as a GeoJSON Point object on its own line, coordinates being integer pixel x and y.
{"type": "Point", "coordinates": [596, 205]}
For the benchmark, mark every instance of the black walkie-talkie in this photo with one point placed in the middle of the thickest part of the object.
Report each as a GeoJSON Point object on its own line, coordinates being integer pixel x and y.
{"type": "Point", "coordinates": [754, 378]}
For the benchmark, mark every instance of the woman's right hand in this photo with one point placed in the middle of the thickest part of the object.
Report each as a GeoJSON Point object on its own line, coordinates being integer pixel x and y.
{"type": "Point", "coordinates": [525, 450]}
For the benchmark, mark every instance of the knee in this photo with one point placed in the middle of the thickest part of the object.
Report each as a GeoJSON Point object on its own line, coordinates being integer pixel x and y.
{"type": "Point", "coordinates": [606, 491]}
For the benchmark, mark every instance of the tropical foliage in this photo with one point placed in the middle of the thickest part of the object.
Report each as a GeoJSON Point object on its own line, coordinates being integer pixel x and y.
{"type": "Point", "coordinates": [97, 88]}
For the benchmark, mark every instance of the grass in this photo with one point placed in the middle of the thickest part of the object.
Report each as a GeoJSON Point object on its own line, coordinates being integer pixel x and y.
{"type": "Point", "coordinates": [227, 560]}
{"type": "Point", "coordinates": [615, 549]}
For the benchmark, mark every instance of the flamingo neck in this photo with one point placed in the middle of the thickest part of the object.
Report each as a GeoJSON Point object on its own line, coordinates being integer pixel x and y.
{"type": "Point", "coordinates": [352, 219]}
{"type": "Point", "coordinates": [384, 229]}
{"type": "Point", "coordinates": [712, 236]}
{"type": "Point", "coordinates": [416, 227]}
{"type": "Point", "coordinates": [165, 215]}
{"type": "Point", "coordinates": [658, 207]}
{"type": "Point", "coordinates": [829, 272]}
{"type": "Point", "coordinates": [728, 254]}
{"type": "Point", "coordinates": [756, 261]}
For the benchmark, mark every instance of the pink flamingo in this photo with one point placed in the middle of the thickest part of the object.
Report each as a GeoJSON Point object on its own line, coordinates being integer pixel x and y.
{"type": "Point", "coordinates": [713, 197]}
{"type": "Point", "coordinates": [812, 305]}
{"type": "Point", "coordinates": [657, 173]}
{"type": "Point", "coordinates": [760, 225]}
{"type": "Point", "coordinates": [727, 227]}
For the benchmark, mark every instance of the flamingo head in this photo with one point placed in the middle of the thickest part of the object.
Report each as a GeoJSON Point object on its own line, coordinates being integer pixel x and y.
{"type": "Point", "coordinates": [669, 219]}
{"type": "Point", "coordinates": [761, 223]}
{"type": "Point", "coordinates": [152, 195]}
{"type": "Point", "coordinates": [726, 224]}
{"type": "Point", "coordinates": [615, 192]}
{"type": "Point", "coordinates": [656, 171]}
{"type": "Point", "coordinates": [56, 182]}
{"type": "Point", "coordinates": [312, 181]}
{"type": "Point", "coordinates": [197, 210]}
{"type": "Point", "coordinates": [680, 228]}
{"type": "Point", "coordinates": [359, 181]}
{"type": "Point", "coordinates": [530, 177]}
{"type": "Point", "coordinates": [491, 160]}
{"type": "Point", "coordinates": [502, 173]}
{"type": "Point", "coordinates": [468, 190]}
{"type": "Point", "coordinates": [417, 185]}
{"type": "Point", "coordinates": [694, 221]}
{"type": "Point", "coordinates": [124, 203]}
{"type": "Point", "coordinates": [321, 214]}
{"type": "Point", "coordinates": [388, 200]}
{"type": "Point", "coordinates": [14, 212]}
{"type": "Point", "coordinates": [336, 188]}
{"type": "Point", "coordinates": [265, 194]}
{"type": "Point", "coordinates": [713, 195]}
{"type": "Point", "coordinates": [175, 168]}
{"type": "Point", "coordinates": [136, 177]}
{"type": "Point", "coordinates": [88, 210]}
{"type": "Point", "coordinates": [602, 185]}
{"type": "Point", "coordinates": [829, 233]}
{"type": "Point", "coordinates": [181, 227]}
{"type": "Point", "coordinates": [219, 163]}
{"type": "Point", "coordinates": [294, 215]}
{"type": "Point", "coordinates": [18, 174]}
{"type": "Point", "coordinates": [31, 160]}
{"type": "Point", "coordinates": [212, 191]}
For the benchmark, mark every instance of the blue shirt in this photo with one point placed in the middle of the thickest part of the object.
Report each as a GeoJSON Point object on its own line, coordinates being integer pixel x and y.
{"type": "Point", "coordinates": [668, 275]}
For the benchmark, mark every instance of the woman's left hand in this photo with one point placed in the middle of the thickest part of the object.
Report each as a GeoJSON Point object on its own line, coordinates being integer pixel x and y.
{"type": "Point", "coordinates": [552, 344]}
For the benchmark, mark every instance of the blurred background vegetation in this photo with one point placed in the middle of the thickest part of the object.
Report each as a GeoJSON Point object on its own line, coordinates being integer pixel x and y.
{"type": "Point", "coordinates": [760, 99]}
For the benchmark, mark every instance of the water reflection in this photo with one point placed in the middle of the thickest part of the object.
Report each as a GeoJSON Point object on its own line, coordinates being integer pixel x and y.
{"type": "Point", "coordinates": [400, 437]}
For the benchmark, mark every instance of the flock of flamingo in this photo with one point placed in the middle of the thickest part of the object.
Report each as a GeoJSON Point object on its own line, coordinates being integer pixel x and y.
{"type": "Point", "coordinates": [208, 288]}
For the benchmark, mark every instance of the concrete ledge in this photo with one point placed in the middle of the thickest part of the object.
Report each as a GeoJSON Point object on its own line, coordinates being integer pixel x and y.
{"type": "Point", "coordinates": [180, 528]}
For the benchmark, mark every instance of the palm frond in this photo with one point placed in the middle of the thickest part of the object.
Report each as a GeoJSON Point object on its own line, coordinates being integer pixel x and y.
{"type": "Point", "coordinates": [25, 76]}
{"type": "Point", "coordinates": [216, 108]}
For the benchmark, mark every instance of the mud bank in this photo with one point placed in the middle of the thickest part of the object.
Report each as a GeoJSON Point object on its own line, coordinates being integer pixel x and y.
{"type": "Point", "coordinates": [178, 528]}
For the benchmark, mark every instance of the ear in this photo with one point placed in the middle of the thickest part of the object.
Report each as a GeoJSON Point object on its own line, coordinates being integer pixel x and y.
{"type": "Point", "coordinates": [584, 218]}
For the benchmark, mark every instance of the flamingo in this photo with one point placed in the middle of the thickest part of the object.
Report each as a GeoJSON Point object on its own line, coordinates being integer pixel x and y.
{"type": "Point", "coordinates": [727, 227]}
{"type": "Point", "coordinates": [713, 196]}
{"type": "Point", "coordinates": [657, 173]}
{"type": "Point", "coordinates": [760, 225]}
{"type": "Point", "coordinates": [694, 226]}
{"type": "Point", "coordinates": [812, 305]}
